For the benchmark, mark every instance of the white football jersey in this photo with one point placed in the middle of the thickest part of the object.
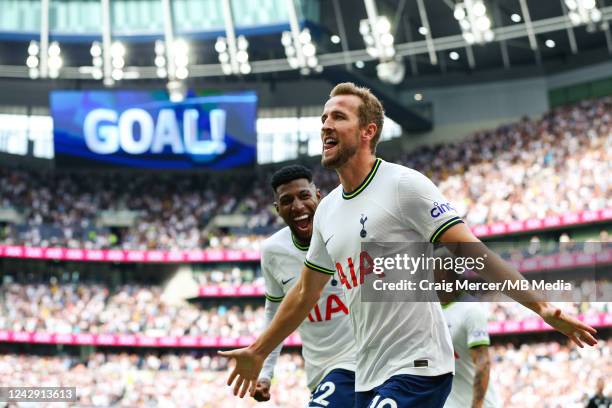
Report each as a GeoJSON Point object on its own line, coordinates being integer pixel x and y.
{"type": "Point", "coordinates": [467, 322]}
{"type": "Point", "coordinates": [327, 334]}
{"type": "Point", "coordinates": [393, 204]}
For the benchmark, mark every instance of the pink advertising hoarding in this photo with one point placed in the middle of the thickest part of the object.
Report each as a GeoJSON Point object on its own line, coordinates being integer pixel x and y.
{"type": "Point", "coordinates": [224, 255]}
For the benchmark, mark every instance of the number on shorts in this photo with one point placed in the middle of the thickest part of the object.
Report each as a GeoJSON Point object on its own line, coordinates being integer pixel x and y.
{"type": "Point", "coordinates": [387, 402]}
{"type": "Point", "coordinates": [328, 389]}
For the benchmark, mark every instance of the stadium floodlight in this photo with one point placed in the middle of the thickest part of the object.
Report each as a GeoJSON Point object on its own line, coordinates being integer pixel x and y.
{"type": "Point", "coordinates": [181, 73]}
{"type": "Point", "coordinates": [96, 60]}
{"type": "Point", "coordinates": [33, 61]}
{"type": "Point", "coordinates": [180, 56]}
{"type": "Point", "coordinates": [233, 51]}
{"type": "Point", "coordinates": [160, 59]}
{"type": "Point", "coordinates": [117, 74]}
{"type": "Point", "coordinates": [54, 60]}
{"type": "Point", "coordinates": [302, 53]}
{"type": "Point", "coordinates": [474, 22]}
{"type": "Point", "coordinates": [96, 49]}
{"type": "Point", "coordinates": [392, 71]}
{"type": "Point", "coordinates": [33, 48]}
{"type": "Point", "coordinates": [380, 43]}
{"type": "Point", "coordinates": [172, 57]}
{"type": "Point", "coordinates": [300, 50]}
{"type": "Point", "coordinates": [117, 54]}
{"type": "Point", "coordinates": [585, 12]}
{"type": "Point", "coordinates": [161, 72]}
{"type": "Point", "coordinates": [234, 60]}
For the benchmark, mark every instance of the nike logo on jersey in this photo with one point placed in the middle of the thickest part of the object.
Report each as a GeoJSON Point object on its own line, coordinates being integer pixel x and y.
{"type": "Point", "coordinates": [328, 239]}
{"type": "Point", "coordinates": [284, 282]}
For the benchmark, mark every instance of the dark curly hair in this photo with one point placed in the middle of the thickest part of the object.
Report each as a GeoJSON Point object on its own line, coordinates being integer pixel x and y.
{"type": "Point", "coordinates": [289, 173]}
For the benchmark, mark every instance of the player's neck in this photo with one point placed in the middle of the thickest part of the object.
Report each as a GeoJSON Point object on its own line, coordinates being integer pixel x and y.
{"type": "Point", "coordinates": [447, 298]}
{"type": "Point", "coordinates": [356, 170]}
{"type": "Point", "coordinates": [300, 241]}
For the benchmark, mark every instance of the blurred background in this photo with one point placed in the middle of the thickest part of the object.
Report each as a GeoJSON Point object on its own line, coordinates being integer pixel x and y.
{"type": "Point", "coordinates": [137, 138]}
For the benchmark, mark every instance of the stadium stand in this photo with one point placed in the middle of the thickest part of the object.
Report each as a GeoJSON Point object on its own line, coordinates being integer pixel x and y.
{"type": "Point", "coordinates": [529, 169]}
{"type": "Point", "coordinates": [124, 273]}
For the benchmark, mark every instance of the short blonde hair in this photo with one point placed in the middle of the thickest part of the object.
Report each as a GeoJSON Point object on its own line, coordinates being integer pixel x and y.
{"type": "Point", "coordinates": [370, 110]}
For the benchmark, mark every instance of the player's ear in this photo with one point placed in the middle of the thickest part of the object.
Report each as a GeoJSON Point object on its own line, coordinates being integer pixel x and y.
{"type": "Point", "coordinates": [318, 194]}
{"type": "Point", "coordinates": [276, 206]}
{"type": "Point", "coordinates": [369, 131]}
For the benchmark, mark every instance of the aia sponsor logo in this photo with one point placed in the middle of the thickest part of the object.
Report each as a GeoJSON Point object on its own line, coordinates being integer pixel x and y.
{"type": "Point", "coordinates": [352, 277]}
{"type": "Point", "coordinates": [333, 304]}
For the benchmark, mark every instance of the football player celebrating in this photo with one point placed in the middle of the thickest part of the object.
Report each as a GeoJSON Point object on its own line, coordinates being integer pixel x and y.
{"type": "Point", "coordinates": [330, 370]}
{"type": "Point", "coordinates": [404, 351]}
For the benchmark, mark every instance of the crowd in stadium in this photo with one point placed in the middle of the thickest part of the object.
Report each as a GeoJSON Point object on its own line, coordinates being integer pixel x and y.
{"type": "Point", "coordinates": [528, 169]}
{"type": "Point", "coordinates": [167, 380]}
{"type": "Point", "coordinates": [549, 374]}
{"type": "Point", "coordinates": [229, 276]}
{"type": "Point", "coordinates": [61, 209]}
{"type": "Point", "coordinates": [131, 309]}
{"type": "Point", "coordinates": [505, 311]}
{"type": "Point", "coordinates": [134, 309]}
{"type": "Point", "coordinates": [530, 375]}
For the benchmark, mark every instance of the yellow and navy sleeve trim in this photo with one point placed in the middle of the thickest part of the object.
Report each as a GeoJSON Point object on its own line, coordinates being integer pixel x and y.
{"type": "Point", "coordinates": [479, 343]}
{"type": "Point", "coordinates": [297, 244]}
{"type": "Point", "coordinates": [319, 268]}
{"type": "Point", "coordinates": [446, 305]}
{"type": "Point", "coordinates": [442, 228]}
{"type": "Point", "coordinates": [364, 183]}
{"type": "Point", "coordinates": [274, 299]}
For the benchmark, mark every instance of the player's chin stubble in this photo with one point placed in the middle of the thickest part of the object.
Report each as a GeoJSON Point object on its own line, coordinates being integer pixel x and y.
{"type": "Point", "coordinates": [341, 158]}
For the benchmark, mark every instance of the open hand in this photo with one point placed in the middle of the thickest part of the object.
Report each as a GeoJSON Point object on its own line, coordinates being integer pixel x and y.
{"type": "Point", "coordinates": [576, 330]}
{"type": "Point", "coordinates": [246, 371]}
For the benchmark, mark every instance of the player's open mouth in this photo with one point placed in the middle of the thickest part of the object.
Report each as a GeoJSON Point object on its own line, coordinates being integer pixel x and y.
{"type": "Point", "coordinates": [329, 143]}
{"type": "Point", "coordinates": [302, 222]}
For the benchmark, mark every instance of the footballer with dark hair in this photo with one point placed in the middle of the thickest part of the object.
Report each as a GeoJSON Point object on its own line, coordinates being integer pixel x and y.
{"type": "Point", "coordinates": [330, 370]}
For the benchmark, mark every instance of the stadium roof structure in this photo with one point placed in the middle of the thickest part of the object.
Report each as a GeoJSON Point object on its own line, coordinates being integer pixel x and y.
{"type": "Point", "coordinates": [385, 44]}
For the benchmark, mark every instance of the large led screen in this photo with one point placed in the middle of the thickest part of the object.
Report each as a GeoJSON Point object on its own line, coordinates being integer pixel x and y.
{"type": "Point", "coordinates": [146, 130]}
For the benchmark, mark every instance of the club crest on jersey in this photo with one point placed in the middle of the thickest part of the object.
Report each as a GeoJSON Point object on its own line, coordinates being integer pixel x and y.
{"type": "Point", "coordinates": [362, 221]}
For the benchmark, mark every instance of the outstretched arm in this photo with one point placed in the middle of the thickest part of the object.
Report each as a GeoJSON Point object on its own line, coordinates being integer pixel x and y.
{"type": "Point", "coordinates": [482, 361]}
{"type": "Point", "coordinates": [497, 270]}
{"type": "Point", "coordinates": [262, 391]}
{"type": "Point", "coordinates": [291, 313]}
